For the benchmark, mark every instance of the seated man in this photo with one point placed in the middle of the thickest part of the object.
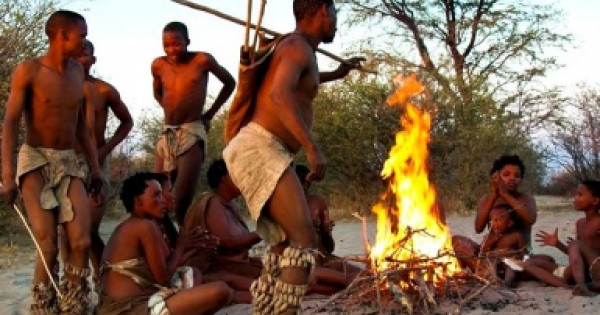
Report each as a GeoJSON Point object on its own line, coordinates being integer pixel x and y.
{"type": "Point", "coordinates": [141, 274]}
{"type": "Point", "coordinates": [323, 224]}
{"type": "Point", "coordinates": [217, 213]}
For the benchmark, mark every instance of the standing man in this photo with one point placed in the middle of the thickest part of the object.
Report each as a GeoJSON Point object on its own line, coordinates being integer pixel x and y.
{"type": "Point", "coordinates": [180, 82]}
{"type": "Point", "coordinates": [259, 157]}
{"type": "Point", "coordinates": [107, 98]}
{"type": "Point", "coordinates": [48, 92]}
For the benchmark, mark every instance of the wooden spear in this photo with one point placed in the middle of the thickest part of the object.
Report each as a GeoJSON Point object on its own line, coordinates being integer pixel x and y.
{"type": "Point", "coordinates": [256, 28]}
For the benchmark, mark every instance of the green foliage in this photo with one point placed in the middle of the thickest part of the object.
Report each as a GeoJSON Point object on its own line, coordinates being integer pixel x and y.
{"type": "Point", "coordinates": [355, 131]}
{"type": "Point", "coordinates": [22, 36]}
{"type": "Point", "coordinates": [576, 136]}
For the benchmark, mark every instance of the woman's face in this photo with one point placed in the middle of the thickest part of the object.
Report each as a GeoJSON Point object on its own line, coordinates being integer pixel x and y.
{"type": "Point", "coordinates": [510, 176]}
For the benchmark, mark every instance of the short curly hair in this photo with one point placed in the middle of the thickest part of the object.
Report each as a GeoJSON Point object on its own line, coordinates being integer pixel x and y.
{"type": "Point", "coordinates": [134, 186]}
{"type": "Point", "coordinates": [304, 8]}
{"type": "Point", "coordinates": [504, 160]}
{"type": "Point", "coordinates": [593, 186]}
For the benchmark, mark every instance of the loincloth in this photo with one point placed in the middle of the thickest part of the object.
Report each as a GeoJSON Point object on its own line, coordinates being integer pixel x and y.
{"type": "Point", "coordinates": [255, 160]}
{"type": "Point", "coordinates": [57, 168]}
{"type": "Point", "coordinates": [104, 168]}
{"type": "Point", "coordinates": [176, 140]}
{"type": "Point", "coordinates": [152, 304]}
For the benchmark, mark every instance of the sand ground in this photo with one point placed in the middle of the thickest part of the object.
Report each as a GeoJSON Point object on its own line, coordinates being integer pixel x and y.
{"type": "Point", "coordinates": [16, 265]}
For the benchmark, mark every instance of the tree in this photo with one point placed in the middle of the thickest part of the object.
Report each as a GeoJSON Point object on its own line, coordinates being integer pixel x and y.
{"type": "Point", "coordinates": [22, 36]}
{"type": "Point", "coordinates": [576, 136]}
{"type": "Point", "coordinates": [482, 61]}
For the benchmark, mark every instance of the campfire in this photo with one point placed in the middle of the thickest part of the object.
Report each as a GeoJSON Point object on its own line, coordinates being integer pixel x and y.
{"type": "Point", "coordinates": [410, 232]}
{"type": "Point", "coordinates": [413, 267]}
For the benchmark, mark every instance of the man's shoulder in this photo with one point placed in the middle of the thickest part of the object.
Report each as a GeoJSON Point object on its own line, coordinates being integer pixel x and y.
{"type": "Point", "coordinates": [294, 43]}
{"type": "Point", "coordinates": [201, 58]}
{"type": "Point", "coordinates": [159, 62]}
{"type": "Point", "coordinates": [102, 86]}
{"type": "Point", "coordinates": [28, 67]}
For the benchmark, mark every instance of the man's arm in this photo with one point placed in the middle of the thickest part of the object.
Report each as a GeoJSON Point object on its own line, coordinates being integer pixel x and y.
{"type": "Point", "coordinates": [156, 82]}
{"type": "Point", "coordinates": [218, 225]}
{"type": "Point", "coordinates": [295, 57]}
{"type": "Point", "coordinates": [228, 86]}
{"type": "Point", "coordinates": [89, 107]}
{"type": "Point", "coordinates": [87, 142]}
{"type": "Point", "coordinates": [126, 122]}
{"type": "Point", "coordinates": [342, 70]}
{"type": "Point", "coordinates": [14, 107]}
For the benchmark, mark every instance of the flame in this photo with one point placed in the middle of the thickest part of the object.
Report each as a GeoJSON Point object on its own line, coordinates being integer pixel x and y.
{"type": "Point", "coordinates": [410, 229]}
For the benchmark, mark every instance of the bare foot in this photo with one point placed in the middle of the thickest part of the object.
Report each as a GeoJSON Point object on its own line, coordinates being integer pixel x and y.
{"type": "Point", "coordinates": [582, 290]}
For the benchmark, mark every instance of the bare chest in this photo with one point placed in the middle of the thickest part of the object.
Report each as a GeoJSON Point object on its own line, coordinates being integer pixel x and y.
{"type": "Point", "coordinates": [184, 76]}
{"type": "Point", "coordinates": [53, 91]}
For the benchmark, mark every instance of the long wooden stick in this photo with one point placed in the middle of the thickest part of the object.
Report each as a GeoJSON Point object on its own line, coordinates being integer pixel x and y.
{"type": "Point", "coordinates": [264, 29]}
{"type": "Point", "coordinates": [248, 20]}
{"type": "Point", "coordinates": [38, 248]}
{"type": "Point", "coordinates": [261, 13]}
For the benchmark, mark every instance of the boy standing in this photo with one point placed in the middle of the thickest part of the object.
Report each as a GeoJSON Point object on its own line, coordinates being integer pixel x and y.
{"type": "Point", "coordinates": [107, 98]}
{"type": "Point", "coordinates": [49, 91]}
{"type": "Point", "coordinates": [180, 82]}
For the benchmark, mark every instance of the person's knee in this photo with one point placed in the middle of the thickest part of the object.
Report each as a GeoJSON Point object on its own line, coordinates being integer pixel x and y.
{"type": "Point", "coordinates": [80, 244]}
{"type": "Point", "coordinates": [222, 294]}
{"type": "Point", "coordinates": [48, 246]}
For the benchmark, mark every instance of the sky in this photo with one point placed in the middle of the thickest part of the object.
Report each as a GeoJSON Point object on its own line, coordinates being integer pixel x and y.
{"type": "Point", "coordinates": [127, 35]}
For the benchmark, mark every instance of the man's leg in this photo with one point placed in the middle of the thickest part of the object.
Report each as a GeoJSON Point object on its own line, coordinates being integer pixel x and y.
{"type": "Point", "coordinates": [43, 224]}
{"type": "Point", "coordinates": [74, 284]}
{"type": "Point", "coordinates": [289, 209]}
{"type": "Point", "coordinates": [97, 211]}
{"type": "Point", "coordinates": [188, 171]}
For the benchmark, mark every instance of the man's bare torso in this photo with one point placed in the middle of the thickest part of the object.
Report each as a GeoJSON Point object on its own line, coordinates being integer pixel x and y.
{"type": "Point", "coordinates": [101, 109]}
{"type": "Point", "coordinates": [183, 88]}
{"type": "Point", "coordinates": [304, 93]}
{"type": "Point", "coordinates": [53, 103]}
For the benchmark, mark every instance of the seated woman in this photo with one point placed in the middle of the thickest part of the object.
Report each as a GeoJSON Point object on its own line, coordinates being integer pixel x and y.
{"type": "Point", "coordinates": [141, 274]}
{"type": "Point", "coordinates": [506, 175]}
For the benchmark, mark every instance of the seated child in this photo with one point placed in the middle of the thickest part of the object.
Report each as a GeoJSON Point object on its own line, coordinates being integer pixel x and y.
{"type": "Point", "coordinates": [503, 240]}
{"type": "Point", "coordinates": [583, 252]}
